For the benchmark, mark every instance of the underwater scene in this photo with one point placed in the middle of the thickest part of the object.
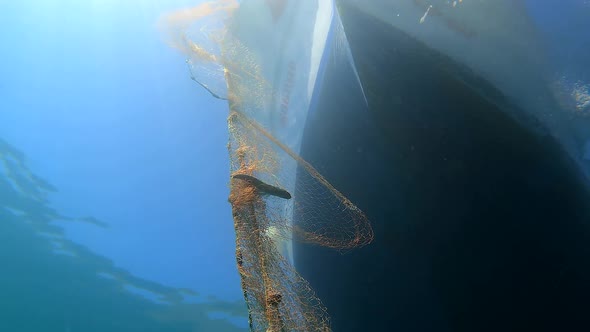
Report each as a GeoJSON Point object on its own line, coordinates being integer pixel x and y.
{"type": "Point", "coordinates": [294, 165]}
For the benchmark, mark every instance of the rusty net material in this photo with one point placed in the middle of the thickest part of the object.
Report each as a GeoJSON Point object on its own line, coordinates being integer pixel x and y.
{"type": "Point", "coordinates": [264, 172]}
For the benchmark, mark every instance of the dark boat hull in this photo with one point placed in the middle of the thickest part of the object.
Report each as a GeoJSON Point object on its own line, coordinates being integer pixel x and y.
{"type": "Point", "coordinates": [481, 223]}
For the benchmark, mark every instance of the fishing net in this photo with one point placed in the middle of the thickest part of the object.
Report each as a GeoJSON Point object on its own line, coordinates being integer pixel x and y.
{"type": "Point", "coordinates": [264, 168]}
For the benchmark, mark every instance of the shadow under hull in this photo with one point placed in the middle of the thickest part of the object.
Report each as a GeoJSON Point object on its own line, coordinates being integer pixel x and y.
{"type": "Point", "coordinates": [481, 223]}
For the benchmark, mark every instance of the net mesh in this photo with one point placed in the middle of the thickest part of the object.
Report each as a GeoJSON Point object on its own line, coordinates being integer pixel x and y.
{"type": "Point", "coordinates": [263, 170]}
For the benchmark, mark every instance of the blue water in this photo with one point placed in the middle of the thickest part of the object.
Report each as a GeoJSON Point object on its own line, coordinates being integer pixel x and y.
{"type": "Point", "coordinates": [564, 26]}
{"type": "Point", "coordinates": [94, 103]}
{"type": "Point", "coordinates": [114, 169]}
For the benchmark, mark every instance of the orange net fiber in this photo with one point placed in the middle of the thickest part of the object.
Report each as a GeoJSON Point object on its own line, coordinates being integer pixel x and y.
{"type": "Point", "coordinates": [263, 170]}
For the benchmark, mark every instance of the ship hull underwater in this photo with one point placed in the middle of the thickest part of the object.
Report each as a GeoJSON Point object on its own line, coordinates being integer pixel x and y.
{"type": "Point", "coordinates": [480, 220]}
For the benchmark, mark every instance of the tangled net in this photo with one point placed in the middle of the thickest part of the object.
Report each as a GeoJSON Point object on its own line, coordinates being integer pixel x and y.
{"type": "Point", "coordinates": [263, 172]}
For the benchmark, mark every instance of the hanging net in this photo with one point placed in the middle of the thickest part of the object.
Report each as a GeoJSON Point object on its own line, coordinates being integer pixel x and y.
{"type": "Point", "coordinates": [264, 171]}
